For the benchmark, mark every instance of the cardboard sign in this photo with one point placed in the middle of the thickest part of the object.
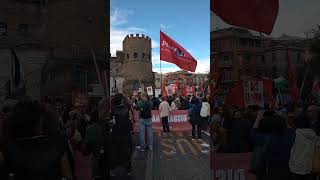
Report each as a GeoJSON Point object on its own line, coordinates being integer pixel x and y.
{"type": "Point", "coordinates": [149, 91]}
{"type": "Point", "coordinates": [157, 92]}
{"type": "Point", "coordinates": [253, 93]}
{"type": "Point", "coordinates": [230, 166]}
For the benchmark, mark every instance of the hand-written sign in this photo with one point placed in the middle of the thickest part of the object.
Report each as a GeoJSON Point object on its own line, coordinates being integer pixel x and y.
{"type": "Point", "coordinates": [253, 93]}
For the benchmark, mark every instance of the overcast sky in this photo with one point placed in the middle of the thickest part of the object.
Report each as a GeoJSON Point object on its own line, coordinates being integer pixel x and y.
{"type": "Point", "coordinates": [295, 17]}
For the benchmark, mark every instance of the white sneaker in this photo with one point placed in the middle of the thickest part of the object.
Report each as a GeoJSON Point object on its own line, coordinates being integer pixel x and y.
{"type": "Point", "coordinates": [140, 148]}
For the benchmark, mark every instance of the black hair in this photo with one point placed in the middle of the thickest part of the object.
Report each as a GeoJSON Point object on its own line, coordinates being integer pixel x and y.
{"type": "Point", "coordinates": [117, 99]}
{"type": "Point", "coordinates": [24, 118]}
{"type": "Point", "coordinates": [204, 99]}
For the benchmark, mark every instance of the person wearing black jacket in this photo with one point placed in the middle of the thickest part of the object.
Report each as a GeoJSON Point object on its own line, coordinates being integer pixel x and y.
{"type": "Point", "coordinates": [121, 138]}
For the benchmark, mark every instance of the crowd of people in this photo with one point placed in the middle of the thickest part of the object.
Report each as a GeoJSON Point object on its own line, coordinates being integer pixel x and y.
{"type": "Point", "coordinates": [283, 142]}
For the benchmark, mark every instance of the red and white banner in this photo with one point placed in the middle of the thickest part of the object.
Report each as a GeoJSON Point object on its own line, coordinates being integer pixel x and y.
{"type": "Point", "coordinates": [172, 52]}
{"type": "Point", "coordinates": [253, 93]}
{"type": "Point", "coordinates": [178, 120]}
{"type": "Point", "coordinates": [229, 166]}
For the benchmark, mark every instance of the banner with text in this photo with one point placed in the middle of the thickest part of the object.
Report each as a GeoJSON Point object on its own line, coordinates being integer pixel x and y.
{"type": "Point", "coordinates": [230, 166]}
{"type": "Point", "coordinates": [253, 93]}
{"type": "Point", "coordinates": [178, 120]}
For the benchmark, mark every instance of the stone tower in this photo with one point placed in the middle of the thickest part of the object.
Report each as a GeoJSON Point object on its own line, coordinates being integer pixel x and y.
{"type": "Point", "coordinates": [137, 63]}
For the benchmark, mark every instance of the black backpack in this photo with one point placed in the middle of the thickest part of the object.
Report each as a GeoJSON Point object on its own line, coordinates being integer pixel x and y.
{"type": "Point", "coordinates": [146, 111]}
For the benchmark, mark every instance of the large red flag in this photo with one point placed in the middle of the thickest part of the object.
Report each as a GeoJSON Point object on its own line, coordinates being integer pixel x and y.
{"type": "Point", "coordinates": [172, 52]}
{"type": "Point", "coordinates": [258, 15]}
{"type": "Point", "coordinates": [292, 82]}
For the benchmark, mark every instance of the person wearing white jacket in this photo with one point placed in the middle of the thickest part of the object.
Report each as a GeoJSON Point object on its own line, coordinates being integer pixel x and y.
{"type": "Point", "coordinates": [302, 151]}
{"type": "Point", "coordinates": [205, 113]}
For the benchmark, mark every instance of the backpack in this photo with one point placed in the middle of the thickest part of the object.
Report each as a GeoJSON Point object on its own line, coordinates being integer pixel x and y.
{"type": "Point", "coordinates": [204, 110]}
{"type": "Point", "coordinates": [146, 111]}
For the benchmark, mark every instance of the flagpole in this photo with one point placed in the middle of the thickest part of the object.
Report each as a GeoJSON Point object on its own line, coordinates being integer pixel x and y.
{"type": "Point", "coordinates": [160, 66]}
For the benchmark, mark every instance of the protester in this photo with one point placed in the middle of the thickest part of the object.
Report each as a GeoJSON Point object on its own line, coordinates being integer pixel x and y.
{"type": "Point", "coordinates": [164, 108]}
{"type": "Point", "coordinates": [302, 153]}
{"type": "Point", "coordinates": [33, 155]}
{"type": "Point", "coordinates": [275, 140]}
{"type": "Point", "coordinates": [121, 138]}
{"type": "Point", "coordinates": [178, 103]}
{"type": "Point", "coordinates": [195, 118]}
{"type": "Point", "coordinates": [205, 113]}
{"type": "Point", "coordinates": [240, 133]}
{"type": "Point", "coordinates": [96, 143]}
{"type": "Point", "coordinates": [172, 103]}
{"type": "Point", "coordinates": [145, 122]}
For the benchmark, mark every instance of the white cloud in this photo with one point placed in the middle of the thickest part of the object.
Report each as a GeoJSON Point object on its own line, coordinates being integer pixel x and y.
{"type": "Point", "coordinates": [203, 66]}
{"type": "Point", "coordinates": [164, 27]}
{"type": "Point", "coordinates": [117, 33]}
{"type": "Point", "coordinates": [155, 44]}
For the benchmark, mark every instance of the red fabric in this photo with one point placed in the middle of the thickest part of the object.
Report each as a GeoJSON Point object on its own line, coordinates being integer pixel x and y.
{"type": "Point", "coordinates": [235, 96]}
{"type": "Point", "coordinates": [258, 15]}
{"type": "Point", "coordinates": [164, 88]}
{"type": "Point", "coordinates": [267, 84]}
{"type": "Point", "coordinates": [201, 87]}
{"type": "Point", "coordinates": [172, 52]}
{"type": "Point", "coordinates": [292, 82]}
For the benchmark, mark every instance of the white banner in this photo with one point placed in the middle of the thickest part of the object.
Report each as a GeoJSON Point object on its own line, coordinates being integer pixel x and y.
{"type": "Point", "coordinates": [149, 91]}
{"type": "Point", "coordinates": [253, 93]}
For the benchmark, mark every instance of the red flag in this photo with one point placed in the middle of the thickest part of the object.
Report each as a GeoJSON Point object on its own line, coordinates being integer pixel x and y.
{"type": "Point", "coordinates": [292, 82]}
{"type": "Point", "coordinates": [258, 15]}
{"type": "Point", "coordinates": [235, 96]}
{"type": "Point", "coordinates": [164, 88]}
{"type": "Point", "coordinates": [172, 52]}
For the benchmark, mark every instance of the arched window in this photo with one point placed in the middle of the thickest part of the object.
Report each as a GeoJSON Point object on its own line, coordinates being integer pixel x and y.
{"type": "Point", "coordinates": [3, 28]}
{"type": "Point", "coordinates": [135, 55]}
{"type": "Point", "coordinates": [128, 56]}
{"type": "Point", "coordinates": [143, 55]}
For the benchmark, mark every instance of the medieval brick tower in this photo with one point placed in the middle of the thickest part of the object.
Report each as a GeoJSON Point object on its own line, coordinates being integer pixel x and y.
{"type": "Point", "coordinates": [137, 62]}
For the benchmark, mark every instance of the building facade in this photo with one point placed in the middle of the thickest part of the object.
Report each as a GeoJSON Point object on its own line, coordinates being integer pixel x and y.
{"type": "Point", "coordinates": [53, 38]}
{"type": "Point", "coordinates": [241, 55]}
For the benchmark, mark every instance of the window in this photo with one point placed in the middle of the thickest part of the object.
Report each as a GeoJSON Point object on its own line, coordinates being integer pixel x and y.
{"type": "Point", "coordinates": [274, 57]}
{"type": "Point", "coordinates": [298, 57]}
{"type": "Point", "coordinates": [128, 56]}
{"type": "Point", "coordinates": [23, 28]}
{"type": "Point", "coordinates": [260, 59]}
{"type": "Point", "coordinates": [135, 55]}
{"type": "Point", "coordinates": [226, 58]}
{"type": "Point", "coordinates": [258, 43]}
{"type": "Point", "coordinates": [3, 29]}
{"type": "Point", "coordinates": [248, 57]}
{"type": "Point", "coordinates": [149, 56]}
{"type": "Point", "coordinates": [227, 75]}
{"type": "Point", "coordinates": [143, 55]}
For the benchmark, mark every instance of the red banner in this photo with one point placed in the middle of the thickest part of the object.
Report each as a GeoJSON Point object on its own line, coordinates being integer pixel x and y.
{"type": "Point", "coordinates": [172, 52]}
{"type": "Point", "coordinates": [229, 166]}
{"type": "Point", "coordinates": [178, 121]}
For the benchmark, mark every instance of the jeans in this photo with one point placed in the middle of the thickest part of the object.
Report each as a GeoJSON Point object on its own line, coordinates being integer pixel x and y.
{"type": "Point", "coordinates": [146, 123]}
{"type": "Point", "coordinates": [165, 124]}
{"type": "Point", "coordinates": [198, 127]}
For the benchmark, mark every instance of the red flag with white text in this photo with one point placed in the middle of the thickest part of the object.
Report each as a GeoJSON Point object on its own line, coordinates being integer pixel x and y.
{"type": "Point", "coordinates": [172, 52]}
